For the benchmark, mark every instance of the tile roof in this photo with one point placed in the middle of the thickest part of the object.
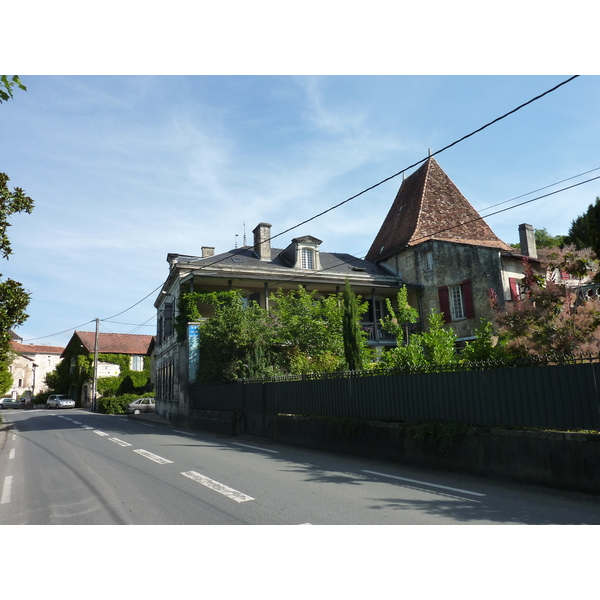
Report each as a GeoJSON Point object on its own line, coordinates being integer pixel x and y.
{"type": "Point", "coordinates": [115, 343]}
{"type": "Point", "coordinates": [31, 349]}
{"type": "Point", "coordinates": [429, 206]}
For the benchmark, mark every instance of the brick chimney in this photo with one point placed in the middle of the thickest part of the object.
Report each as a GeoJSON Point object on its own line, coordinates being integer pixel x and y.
{"type": "Point", "coordinates": [207, 251]}
{"type": "Point", "coordinates": [262, 243]}
{"type": "Point", "coordinates": [527, 240]}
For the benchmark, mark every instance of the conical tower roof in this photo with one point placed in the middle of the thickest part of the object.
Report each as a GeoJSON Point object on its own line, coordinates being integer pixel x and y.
{"type": "Point", "coordinates": [429, 206]}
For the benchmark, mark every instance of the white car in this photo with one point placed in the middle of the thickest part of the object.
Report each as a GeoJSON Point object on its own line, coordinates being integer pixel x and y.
{"type": "Point", "coordinates": [59, 401]}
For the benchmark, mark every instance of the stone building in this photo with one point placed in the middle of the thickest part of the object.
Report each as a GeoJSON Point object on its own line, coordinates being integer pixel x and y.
{"type": "Point", "coordinates": [257, 270]}
{"type": "Point", "coordinates": [433, 238]}
{"type": "Point", "coordinates": [30, 366]}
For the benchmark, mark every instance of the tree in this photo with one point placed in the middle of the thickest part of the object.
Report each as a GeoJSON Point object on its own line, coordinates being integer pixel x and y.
{"type": "Point", "coordinates": [6, 86]}
{"type": "Point", "coordinates": [353, 336]}
{"type": "Point", "coordinates": [13, 297]}
{"type": "Point", "coordinates": [549, 317]}
{"type": "Point", "coordinates": [309, 331]}
{"type": "Point", "coordinates": [397, 321]}
{"type": "Point", "coordinates": [585, 230]}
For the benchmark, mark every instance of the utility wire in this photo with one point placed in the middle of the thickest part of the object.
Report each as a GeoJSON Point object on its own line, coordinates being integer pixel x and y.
{"type": "Point", "coordinates": [514, 110]}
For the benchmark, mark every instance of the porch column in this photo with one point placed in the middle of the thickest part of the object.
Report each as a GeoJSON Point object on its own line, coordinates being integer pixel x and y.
{"type": "Point", "coordinates": [266, 295]}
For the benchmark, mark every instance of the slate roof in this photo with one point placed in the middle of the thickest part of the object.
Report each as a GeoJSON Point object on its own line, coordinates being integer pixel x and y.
{"type": "Point", "coordinates": [115, 343]}
{"type": "Point", "coordinates": [429, 206]}
{"type": "Point", "coordinates": [244, 260]}
{"type": "Point", "coordinates": [32, 349]}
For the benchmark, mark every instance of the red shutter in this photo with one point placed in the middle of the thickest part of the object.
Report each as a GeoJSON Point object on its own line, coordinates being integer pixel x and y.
{"type": "Point", "coordinates": [514, 288]}
{"type": "Point", "coordinates": [468, 299]}
{"type": "Point", "coordinates": [445, 303]}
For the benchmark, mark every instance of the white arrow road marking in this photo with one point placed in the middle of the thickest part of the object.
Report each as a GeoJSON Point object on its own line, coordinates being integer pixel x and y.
{"type": "Point", "coordinates": [6, 490]}
{"type": "Point", "coordinates": [443, 487]}
{"type": "Point", "coordinates": [120, 442]}
{"type": "Point", "coordinates": [157, 459]}
{"type": "Point", "coordinates": [217, 487]}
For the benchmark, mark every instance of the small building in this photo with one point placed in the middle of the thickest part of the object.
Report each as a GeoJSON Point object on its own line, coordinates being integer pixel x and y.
{"type": "Point", "coordinates": [120, 355]}
{"type": "Point", "coordinates": [30, 366]}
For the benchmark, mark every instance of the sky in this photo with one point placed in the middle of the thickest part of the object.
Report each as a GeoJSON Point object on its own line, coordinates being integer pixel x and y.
{"type": "Point", "coordinates": [126, 169]}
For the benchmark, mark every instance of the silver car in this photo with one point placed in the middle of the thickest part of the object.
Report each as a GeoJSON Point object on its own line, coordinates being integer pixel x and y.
{"type": "Point", "coordinates": [141, 405]}
{"type": "Point", "coordinates": [59, 401]}
{"type": "Point", "coordinates": [8, 402]}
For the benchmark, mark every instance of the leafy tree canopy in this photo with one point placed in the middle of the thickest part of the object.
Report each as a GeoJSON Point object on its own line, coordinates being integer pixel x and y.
{"type": "Point", "coordinates": [543, 239]}
{"type": "Point", "coordinates": [13, 298]}
{"type": "Point", "coordinates": [6, 86]}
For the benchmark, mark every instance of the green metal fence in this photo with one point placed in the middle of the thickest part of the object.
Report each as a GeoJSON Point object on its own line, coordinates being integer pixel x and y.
{"type": "Point", "coordinates": [551, 395]}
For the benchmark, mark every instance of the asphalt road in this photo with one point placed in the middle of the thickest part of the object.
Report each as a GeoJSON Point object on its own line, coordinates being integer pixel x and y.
{"type": "Point", "coordinates": [76, 467]}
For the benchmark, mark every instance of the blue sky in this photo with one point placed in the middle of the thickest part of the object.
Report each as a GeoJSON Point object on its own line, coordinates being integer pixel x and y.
{"type": "Point", "coordinates": [125, 169]}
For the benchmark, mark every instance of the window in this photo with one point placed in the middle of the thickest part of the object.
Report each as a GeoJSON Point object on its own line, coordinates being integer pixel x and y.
{"type": "Point", "coordinates": [308, 258]}
{"type": "Point", "coordinates": [457, 307]}
{"type": "Point", "coordinates": [137, 363]}
{"type": "Point", "coordinates": [515, 288]}
{"type": "Point", "coordinates": [456, 301]}
{"type": "Point", "coordinates": [429, 261]}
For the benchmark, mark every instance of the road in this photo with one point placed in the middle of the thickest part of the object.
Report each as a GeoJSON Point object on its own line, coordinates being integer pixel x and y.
{"type": "Point", "coordinates": [75, 467]}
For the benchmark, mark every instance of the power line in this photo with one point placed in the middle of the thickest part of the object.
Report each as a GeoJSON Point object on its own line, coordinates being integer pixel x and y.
{"type": "Point", "coordinates": [370, 188]}
{"type": "Point", "coordinates": [514, 110]}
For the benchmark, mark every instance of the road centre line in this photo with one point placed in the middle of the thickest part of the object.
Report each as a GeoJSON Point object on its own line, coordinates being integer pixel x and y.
{"type": "Point", "coordinates": [100, 432]}
{"type": "Point", "coordinates": [6, 490]}
{"type": "Point", "coordinates": [256, 448]}
{"type": "Point", "coordinates": [435, 485]}
{"type": "Point", "coordinates": [217, 487]}
{"type": "Point", "coordinates": [11, 455]}
{"type": "Point", "coordinates": [157, 459]}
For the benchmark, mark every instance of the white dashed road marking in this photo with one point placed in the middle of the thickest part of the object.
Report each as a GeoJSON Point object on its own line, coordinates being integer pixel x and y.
{"type": "Point", "coordinates": [256, 448]}
{"type": "Point", "coordinates": [217, 487]}
{"type": "Point", "coordinates": [443, 487]}
{"type": "Point", "coordinates": [120, 442]}
{"type": "Point", "coordinates": [157, 459]}
{"type": "Point", "coordinates": [100, 432]}
{"type": "Point", "coordinates": [11, 454]}
{"type": "Point", "coordinates": [6, 490]}
{"type": "Point", "coordinates": [184, 432]}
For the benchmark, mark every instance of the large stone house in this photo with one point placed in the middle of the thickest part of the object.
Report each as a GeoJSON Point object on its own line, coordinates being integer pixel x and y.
{"type": "Point", "coordinates": [433, 241]}
{"type": "Point", "coordinates": [257, 270]}
{"type": "Point", "coordinates": [30, 365]}
{"type": "Point", "coordinates": [434, 238]}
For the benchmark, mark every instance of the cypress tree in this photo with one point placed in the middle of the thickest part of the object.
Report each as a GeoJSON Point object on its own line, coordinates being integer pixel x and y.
{"type": "Point", "coordinates": [353, 339]}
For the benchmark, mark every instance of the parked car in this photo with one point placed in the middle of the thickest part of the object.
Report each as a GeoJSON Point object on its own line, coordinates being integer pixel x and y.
{"type": "Point", "coordinates": [8, 402]}
{"type": "Point", "coordinates": [59, 401]}
{"type": "Point", "coordinates": [141, 405]}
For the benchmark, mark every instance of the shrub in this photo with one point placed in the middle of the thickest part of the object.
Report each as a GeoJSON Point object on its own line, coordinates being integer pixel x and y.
{"type": "Point", "coordinates": [116, 405]}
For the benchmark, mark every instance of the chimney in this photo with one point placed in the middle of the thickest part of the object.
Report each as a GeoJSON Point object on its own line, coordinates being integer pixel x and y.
{"type": "Point", "coordinates": [527, 240]}
{"type": "Point", "coordinates": [262, 243]}
{"type": "Point", "coordinates": [207, 251]}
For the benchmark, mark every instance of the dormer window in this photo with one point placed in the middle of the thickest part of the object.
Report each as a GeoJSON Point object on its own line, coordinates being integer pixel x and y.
{"type": "Point", "coordinates": [308, 258]}
{"type": "Point", "coordinates": [303, 253]}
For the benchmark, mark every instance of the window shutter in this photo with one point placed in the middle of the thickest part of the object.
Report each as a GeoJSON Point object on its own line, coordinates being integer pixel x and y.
{"type": "Point", "coordinates": [514, 289]}
{"type": "Point", "coordinates": [468, 299]}
{"type": "Point", "coordinates": [445, 303]}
